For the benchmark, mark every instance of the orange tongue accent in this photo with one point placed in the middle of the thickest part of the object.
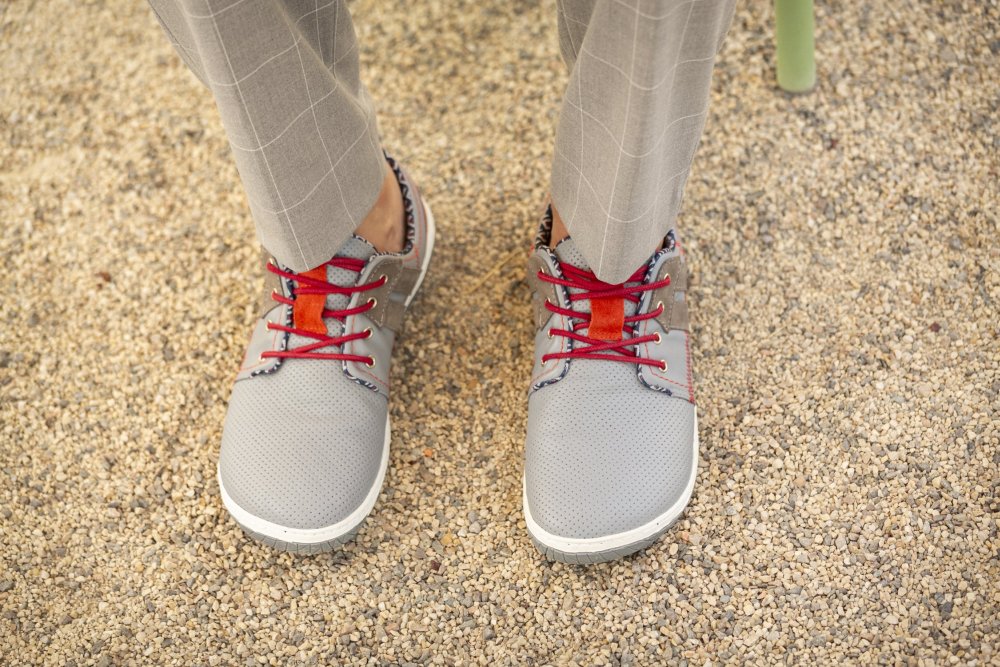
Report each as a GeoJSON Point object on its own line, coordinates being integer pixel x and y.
{"type": "Point", "coordinates": [607, 318]}
{"type": "Point", "coordinates": [307, 310]}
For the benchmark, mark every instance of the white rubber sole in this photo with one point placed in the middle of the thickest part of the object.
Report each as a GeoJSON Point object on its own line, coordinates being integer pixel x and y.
{"type": "Point", "coordinates": [327, 537]}
{"type": "Point", "coordinates": [609, 547]}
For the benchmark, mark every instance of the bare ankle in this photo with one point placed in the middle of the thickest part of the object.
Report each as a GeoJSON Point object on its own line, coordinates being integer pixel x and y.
{"type": "Point", "coordinates": [384, 226]}
{"type": "Point", "coordinates": [559, 231]}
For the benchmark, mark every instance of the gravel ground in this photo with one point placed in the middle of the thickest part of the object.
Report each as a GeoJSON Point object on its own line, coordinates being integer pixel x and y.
{"type": "Point", "coordinates": [844, 246]}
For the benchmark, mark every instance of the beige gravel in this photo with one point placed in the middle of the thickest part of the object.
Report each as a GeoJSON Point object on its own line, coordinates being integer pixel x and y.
{"type": "Point", "coordinates": [845, 253]}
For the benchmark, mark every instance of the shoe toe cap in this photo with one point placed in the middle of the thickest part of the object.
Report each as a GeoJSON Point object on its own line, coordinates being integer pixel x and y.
{"type": "Point", "coordinates": [301, 458]}
{"type": "Point", "coordinates": [603, 467]}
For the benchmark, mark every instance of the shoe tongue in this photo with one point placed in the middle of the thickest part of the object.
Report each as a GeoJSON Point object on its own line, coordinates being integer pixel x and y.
{"type": "Point", "coordinates": [567, 253]}
{"type": "Point", "coordinates": [355, 248]}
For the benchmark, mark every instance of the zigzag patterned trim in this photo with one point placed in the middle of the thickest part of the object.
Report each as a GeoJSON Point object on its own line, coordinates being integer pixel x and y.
{"type": "Point", "coordinates": [409, 210]}
{"type": "Point", "coordinates": [565, 292]}
{"type": "Point", "coordinates": [283, 345]}
{"type": "Point", "coordinates": [542, 237]}
{"type": "Point", "coordinates": [544, 232]}
{"type": "Point", "coordinates": [410, 218]}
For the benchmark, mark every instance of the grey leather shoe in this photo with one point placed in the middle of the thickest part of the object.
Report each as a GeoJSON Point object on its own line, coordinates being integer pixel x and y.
{"type": "Point", "coordinates": [612, 442]}
{"type": "Point", "coordinates": [306, 439]}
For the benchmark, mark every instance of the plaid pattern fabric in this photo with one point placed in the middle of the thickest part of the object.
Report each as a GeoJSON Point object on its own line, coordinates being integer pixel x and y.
{"type": "Point", "coordinates": [284, 74]}
{"type": "Point", "coordinates": [631, 120]}
{"type": "Point", "coordinates": [285, 77]}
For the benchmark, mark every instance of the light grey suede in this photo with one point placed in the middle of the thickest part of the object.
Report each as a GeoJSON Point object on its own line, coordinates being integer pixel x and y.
{"type": "Point", "coordinates": [302, 447]}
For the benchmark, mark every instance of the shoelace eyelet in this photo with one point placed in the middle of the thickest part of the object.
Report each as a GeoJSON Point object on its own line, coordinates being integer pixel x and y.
{"type": "Point", "coordinates": [590, 287]}
{"type": "Point", "coordinates": [317, 282]}
{"type": "Point", "coordinates": [656, 337]}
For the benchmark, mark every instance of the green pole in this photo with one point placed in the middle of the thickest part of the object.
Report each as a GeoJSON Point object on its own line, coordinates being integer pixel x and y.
{"type": "Point", "coordinates": [794, 45]}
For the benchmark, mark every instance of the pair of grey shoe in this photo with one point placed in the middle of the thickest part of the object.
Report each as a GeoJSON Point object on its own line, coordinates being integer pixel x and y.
{"type": "Point", "coordinates": [611, 450]}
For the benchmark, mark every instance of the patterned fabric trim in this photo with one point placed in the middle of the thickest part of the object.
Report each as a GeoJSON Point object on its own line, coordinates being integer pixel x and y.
{"type": "Point", "coordinates": [283, 345]}
{"type": "Point", "coordinates": [409, 210]}
{"type": "Point", "coordinates": [541, 244]}
{"type": "Point", "coordinates": [410, 218]}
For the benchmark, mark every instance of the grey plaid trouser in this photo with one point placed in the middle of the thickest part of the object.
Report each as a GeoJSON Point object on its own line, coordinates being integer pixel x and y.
{"type": "Point", "coordinates": [285, 77]}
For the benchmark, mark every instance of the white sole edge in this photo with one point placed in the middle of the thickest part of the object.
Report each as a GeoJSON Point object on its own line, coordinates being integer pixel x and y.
{"type": "Point", "coordinates": [593, 546]}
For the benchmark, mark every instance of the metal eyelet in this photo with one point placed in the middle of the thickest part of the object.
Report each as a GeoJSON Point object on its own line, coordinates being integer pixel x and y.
{"type": "Point", "coordinates": [370, 363]}
{"type": "Point", "coordinates": [656, 337]}
{"type": "Point", "coordinates": [274, 294]}
{"type": "Point", "coordinates": [663, 365]}
{"type": "Point", "coordinates": [368, 332]}
{"type": "Point", "coordinates": [373, 302]}
{"type": "Point", "coordinates": [659, 306]}
{"type": "Point", "coordinates": [384, 277]}
{"type": "Point", "coordinates": [549, 333]}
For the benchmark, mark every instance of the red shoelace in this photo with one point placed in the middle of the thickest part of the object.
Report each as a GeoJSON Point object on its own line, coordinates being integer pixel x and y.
{"type": "Point", "coordinates": [309, 285]}
{"type": "Point", "coordinates": [592, 288]}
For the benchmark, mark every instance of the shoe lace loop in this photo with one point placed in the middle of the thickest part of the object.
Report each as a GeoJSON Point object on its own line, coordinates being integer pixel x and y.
{"type": "Point", "coordinates": [307, 285]}
{"type": "Point", "coordinates": [589, 287]}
